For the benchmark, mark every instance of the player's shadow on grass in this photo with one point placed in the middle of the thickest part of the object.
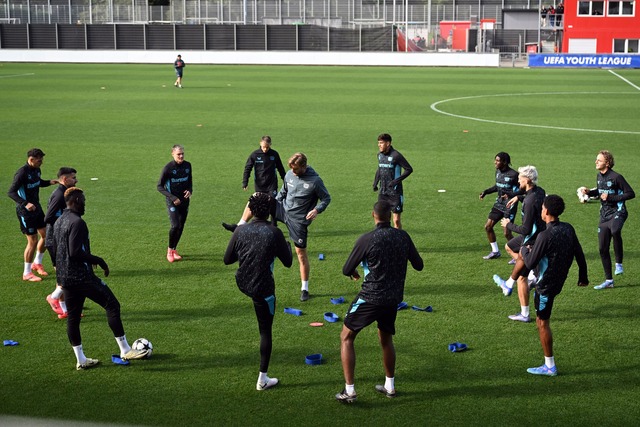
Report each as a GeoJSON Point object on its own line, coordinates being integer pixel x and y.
{"type": "Point", "coordinates": [604, 311]}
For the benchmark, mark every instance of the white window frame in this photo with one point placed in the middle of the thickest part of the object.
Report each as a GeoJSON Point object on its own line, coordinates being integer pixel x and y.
{"type": "Point", "coordinates": [620, 8]}
{"type": "Point", "coordinates": [626, 46]}
{"type": "Point", "coordinates": [591, 9]}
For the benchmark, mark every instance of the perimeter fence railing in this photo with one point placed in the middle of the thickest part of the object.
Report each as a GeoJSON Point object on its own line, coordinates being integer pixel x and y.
{"type": "Point", "coordinates": [254, 24]}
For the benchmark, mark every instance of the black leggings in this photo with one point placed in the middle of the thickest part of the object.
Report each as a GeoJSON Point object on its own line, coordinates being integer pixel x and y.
{"type": "Point", "coordinates": [177, 217]}
{"type": "Point", "coordinates": [98, 292]}
{"type": "Point", "coordinates": [265, 310]}
{"type": "Point", "coordinates": [607, 231]}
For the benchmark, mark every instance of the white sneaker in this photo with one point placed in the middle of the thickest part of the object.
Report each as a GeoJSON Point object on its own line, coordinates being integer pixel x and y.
{"type": "Point", "coordinates": [271, 382]}
{"type": "Point", "coordinates": [89, 363]}
{"type": "Point", "coordinates": [520, 318]}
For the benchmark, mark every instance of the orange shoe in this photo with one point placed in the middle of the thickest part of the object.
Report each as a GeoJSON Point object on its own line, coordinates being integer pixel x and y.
{"type": "Point", "coordinates": [55, 305]}
{"type": "Point", "coordinates": [39, 268]}
{"type": "Point", "coordinates": [176, 256]}
{"type": "Point", "coordinates": [30, 277]}
{"type": "Point", "coordinates": [170, 256]}
{"type": "Point", "coordinates": [65, 315]}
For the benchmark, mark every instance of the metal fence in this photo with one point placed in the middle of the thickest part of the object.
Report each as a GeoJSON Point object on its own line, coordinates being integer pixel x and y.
{"type": "Point", "coordinates": [332, 13]}
{"type": "Point", "coordinates": [420, 20]}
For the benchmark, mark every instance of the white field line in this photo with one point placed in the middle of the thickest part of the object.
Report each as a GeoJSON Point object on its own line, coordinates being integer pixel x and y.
{"type": "Point", "coordinates": [435, 108]}
{"type": "Point", "coordinates": [623, 79]}
{"type": "Point", "coordinates": [17, 75]}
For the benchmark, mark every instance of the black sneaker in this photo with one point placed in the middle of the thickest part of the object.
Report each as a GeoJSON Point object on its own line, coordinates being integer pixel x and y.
{"type": "Point", "coordinates": [304, 295]}
{"type": "Point", "coordinates": [346, 398]}
{"type": "Point", "coordinates": [229, 227]}
{"type": "Point", "coordinates": [390, 394]}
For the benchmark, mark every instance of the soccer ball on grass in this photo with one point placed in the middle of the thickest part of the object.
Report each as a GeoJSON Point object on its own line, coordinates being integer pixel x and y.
{"type": "Point", "coordinates": [143, 344]}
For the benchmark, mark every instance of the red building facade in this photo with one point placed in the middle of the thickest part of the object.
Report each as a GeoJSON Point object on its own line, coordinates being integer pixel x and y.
{"type": "Point", "coordinates": [601, 26]}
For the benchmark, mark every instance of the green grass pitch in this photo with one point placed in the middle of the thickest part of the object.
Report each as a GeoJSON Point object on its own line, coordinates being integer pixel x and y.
{"type": "Point", "coordinates": [117, 123]}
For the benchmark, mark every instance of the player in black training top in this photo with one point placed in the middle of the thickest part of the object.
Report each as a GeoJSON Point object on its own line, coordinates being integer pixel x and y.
{"type": "Point", "coordinates": [55, 207]}
{"type": "Point", "coordinates": [613, 190]}
{"type": "Point", "coordinates": [393, 168]}
{"type": "Point", "coordinates": [25, 191]}
{"type": "Point", "coordinates": [507, 187]}
{"type": "Point", "coordinates": [74, 269]}
{"type": "Point", "coordinates": [383, 253]}
{"type": "Point", "coordinates": [532, 224]}
{"type": "Point", "coordinates": [256, 246]}
{"type": "Point", "coordinates": [267, 165]}
{"type": "Point", "coordinates": [176, 184]}
{"type": "Point", "coordinates": [552, 254]}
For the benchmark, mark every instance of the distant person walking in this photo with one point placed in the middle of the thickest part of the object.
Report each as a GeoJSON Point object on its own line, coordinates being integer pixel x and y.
{"type": "Point", "coordinates": [393, 168]}
{"type": "Point", "coordinates": [179, 65]}
{"type": "Point", "coordinates": [613, 191]}
{"type": "Point", "coordinates": [176, 184]}
{"type": "Point", "coordinates": [25, 191]}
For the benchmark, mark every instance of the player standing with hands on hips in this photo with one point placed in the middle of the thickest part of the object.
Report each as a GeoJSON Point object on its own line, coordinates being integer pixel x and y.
{"type": "Point", "coordinates": [613, 191]}
{"type": "Point", "coordinates": [388, 176]}
{"type": "Point", "coordinates": [176, 184]}
{"type": "Point", "coordinates": [179, 65]}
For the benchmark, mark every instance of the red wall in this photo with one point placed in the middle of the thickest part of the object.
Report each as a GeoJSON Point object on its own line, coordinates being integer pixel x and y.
{"type": "Point", "coordinates": [602, 28]}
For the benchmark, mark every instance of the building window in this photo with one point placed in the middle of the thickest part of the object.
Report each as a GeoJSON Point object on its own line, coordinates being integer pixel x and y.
{"type": "Point", "coordinates": [625, 45]}
{"type": "Point", "coordinates": [621, 8]}
{"type": "Point", "coordinates": [590, 8]}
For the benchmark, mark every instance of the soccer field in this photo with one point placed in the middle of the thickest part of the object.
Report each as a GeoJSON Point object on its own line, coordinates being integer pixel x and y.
{"type": "Point", "coordinates": [117, 123]}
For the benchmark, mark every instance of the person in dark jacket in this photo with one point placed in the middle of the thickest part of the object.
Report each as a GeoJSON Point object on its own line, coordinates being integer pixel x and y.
{"type": "Point", "coordinates": [552, 254]}
{"type": "Point", "coordinates": [383, 253]}
{"type": "Point", "coordinates": [267, 165]}
{"type": "Point", "coordinates": [613, 191]}
{"type": "Point", "coordinates": [25, 191]}
{"type": "Point", "coordinates": [255, 247]}
{"type": "Point", "coordinates": [74, 271]}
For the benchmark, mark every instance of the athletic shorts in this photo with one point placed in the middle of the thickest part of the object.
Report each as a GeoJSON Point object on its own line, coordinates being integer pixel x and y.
{"type": "Point", "coordinates": [516, 243]}
{"type": "Point", "coordinates": [497, 214]}
{"type": "Point", "coordinates": [178, 72]}
{"type": "Point", "coordinates": [544, 305]}
{"type": "Point", "coordinates": [396, 202]}
{"type": "Point", "coordinates": [297, 230]}
{"type": "Point", "coordinates": [361, 314]}
{"type": "Point", "coordinates": [31, 222]}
